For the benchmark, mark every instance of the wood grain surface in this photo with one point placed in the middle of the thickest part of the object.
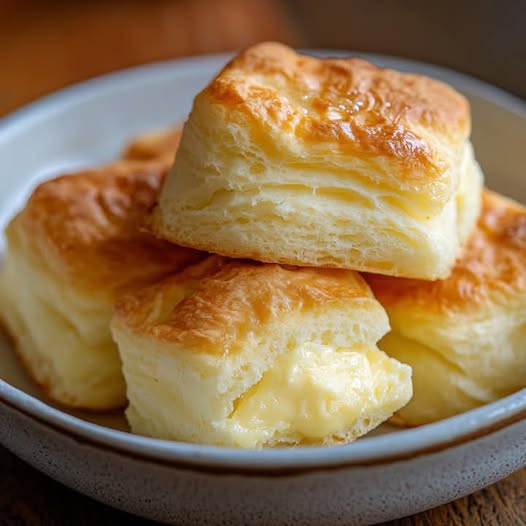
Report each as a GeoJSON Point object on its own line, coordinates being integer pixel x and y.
{"type": "Point", "coordinates": [45, 45]}
{"type": "Point", "coordinates": [28, 498]}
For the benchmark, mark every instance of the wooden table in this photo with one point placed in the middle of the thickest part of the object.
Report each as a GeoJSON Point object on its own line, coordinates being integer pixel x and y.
{"type": "Point", "coordinates": [28, 498]}
{"type": "Point", "coordinates": [45, 44]}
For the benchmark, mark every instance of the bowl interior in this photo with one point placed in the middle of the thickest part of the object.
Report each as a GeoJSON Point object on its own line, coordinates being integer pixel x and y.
{"type": "Point", "coordinates": [89, 124]}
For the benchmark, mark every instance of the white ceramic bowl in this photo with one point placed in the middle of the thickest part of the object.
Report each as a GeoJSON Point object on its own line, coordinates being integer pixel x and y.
{"type": "Point", "coordinates": [380, 477]}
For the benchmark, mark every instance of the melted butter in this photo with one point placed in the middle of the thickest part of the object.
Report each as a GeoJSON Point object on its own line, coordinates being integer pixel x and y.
{"type": "Point", "coordinates": [316, 391]}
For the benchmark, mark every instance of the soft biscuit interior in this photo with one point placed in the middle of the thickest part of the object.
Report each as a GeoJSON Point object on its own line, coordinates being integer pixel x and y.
{"type": "Point", "coordinates": [464, 337]}
{"type": "Point", "coordinates": [251, 355]}
{"type": "Point", "coordinates": [61, 335]}
{"type": "Point", "coordinates": [317, 393]}
{"type": "Point", "coordinates": [74, 247]}
{"type": "Point", "coordinates": [324, 162]}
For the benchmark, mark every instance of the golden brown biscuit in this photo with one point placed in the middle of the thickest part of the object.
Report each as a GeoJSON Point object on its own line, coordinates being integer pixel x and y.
{"type": "Point", "coordinates": [324, 162]}
{"type": "Point", "coordinates": [465, 336]}
{"type": "Point", "coordinates": [70, 251]}
{"type": "Point", "coordinates": [251, 355]}
{"type": "Point", "coordinates": [154, 145]}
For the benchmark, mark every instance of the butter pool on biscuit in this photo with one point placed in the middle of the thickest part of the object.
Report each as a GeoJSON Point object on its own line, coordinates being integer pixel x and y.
{"type": "Point", "coordinates": [69, 252]}
{"type": "Point", "coordinates": [465, 337]}
{"type": "Point", "coordinates": [292, 159]}
{"type": "Point", "coordinates": [252, 355]}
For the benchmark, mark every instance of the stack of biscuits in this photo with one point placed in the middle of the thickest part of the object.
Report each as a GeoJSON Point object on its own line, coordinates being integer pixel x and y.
{"type": "Point", "coordinates": [320, 257]}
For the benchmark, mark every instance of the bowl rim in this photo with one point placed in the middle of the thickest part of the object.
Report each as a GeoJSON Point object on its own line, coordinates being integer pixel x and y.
{"type": "Point", "coordinates": [365, 452]}
{"type": "Point", "coordinates": [450, 432]}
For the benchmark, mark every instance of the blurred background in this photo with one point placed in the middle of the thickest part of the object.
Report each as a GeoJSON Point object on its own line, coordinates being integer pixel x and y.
{"type": "Point", "coordinates": [48, 44]}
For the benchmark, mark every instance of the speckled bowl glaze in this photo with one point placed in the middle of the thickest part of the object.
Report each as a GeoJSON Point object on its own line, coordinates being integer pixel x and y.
{"type": "Point", "coordinates": [385, 475]}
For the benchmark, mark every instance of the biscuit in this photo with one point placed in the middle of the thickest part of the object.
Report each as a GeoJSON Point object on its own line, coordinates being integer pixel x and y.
{"type": "Point", "coordinates": [465, 336]}
{"type": "Point", "coordinates": [157, 144]}
{"type": "Point", "coordinates": [252, 355]}
{"type": "Point", "coordinates": [298, 160]}
{"type": "Point", "coordinates": [72, 249]}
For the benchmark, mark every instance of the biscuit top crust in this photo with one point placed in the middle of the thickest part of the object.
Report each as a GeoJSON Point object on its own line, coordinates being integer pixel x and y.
{"type": "Point", "coordinates": [159, 144]}
{"type": "Point", "coordinates": [346, 105]}
{"type": "Point", "coordinates": [84, 228]}
{"type": "Point", "coordinates": [491, 270]}
{"type": "Point", "coordinates": [213, 306]}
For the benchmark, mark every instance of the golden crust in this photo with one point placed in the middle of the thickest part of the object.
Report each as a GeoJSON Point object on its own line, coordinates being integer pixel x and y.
{"type": "Point", "coordinates": [349, 103]}
{"type": "Point", "coordinates": [493, 264]}
{"type": "Point", "coordinates": [215, 304]}
{"type": "Point", "coordinates": [154, 145]}
{"type": "Point", "coordinates": [84, 228]}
